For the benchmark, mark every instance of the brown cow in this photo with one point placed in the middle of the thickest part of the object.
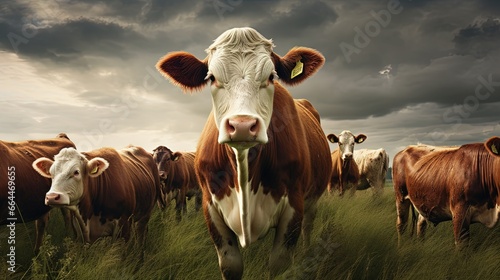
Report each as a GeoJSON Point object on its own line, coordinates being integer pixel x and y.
{"type": "Point", "coordinates": [345, 172]}
{"type": "Point", "coordinates": [262, 160]}
{"type": "Point", "coordinates": [459, 184]}
{"type": "Point", "coordinates": [179, 180]}
{"type": "Point", "coordinates": [22, 189]}
{"type": "Point", "coordinates": [403, 164]}
{"type": "Point", "coordinates": [105, 185]}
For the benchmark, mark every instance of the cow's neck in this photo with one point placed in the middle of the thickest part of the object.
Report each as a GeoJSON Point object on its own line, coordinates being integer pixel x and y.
{"type": "Point", "coordinates": [243, 194]}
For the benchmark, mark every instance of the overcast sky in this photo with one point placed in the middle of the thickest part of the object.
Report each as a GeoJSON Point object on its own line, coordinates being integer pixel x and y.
{"type": "Point", "coordinates": [400, 72]}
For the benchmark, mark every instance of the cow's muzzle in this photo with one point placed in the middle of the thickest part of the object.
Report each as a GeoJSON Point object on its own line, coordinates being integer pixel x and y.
{"type": "Point", "coordinates": [55, 199]}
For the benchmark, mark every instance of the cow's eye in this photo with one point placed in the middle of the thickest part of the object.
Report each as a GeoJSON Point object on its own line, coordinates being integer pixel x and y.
{"type": "Point", "coordinates": [271, 77]}
{"type": "Point", "coordinates": [76, 173]}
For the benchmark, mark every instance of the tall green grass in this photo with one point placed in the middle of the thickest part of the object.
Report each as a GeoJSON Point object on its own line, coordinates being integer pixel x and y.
{"type": "Point", "coordinates": [353, 238]}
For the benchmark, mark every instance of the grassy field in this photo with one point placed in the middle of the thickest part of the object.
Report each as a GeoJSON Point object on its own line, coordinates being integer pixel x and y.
{"type": "Point", "coordinates": [354, 238]}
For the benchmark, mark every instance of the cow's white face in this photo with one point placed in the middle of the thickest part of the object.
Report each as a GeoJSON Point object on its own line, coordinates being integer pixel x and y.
{"type": "Point", "coordinates": [242, 68]}
{"type": "Point", "coordinates": [242, 85]}
{"type": "Point", "coordinates": [68, 172]}
{"type": "Point", "coordinates": [346, 141]}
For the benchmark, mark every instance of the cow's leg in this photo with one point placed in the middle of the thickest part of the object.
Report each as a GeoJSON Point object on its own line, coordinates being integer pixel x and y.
{"type": "Point", "coordinates": [461, 223]}
{"type": "Point", "coordinates": [308, 222]}
{"type": "Point", "coordinates": [125, 227]}
{"type": "Point", "coordinates": [226, 244]}
{"type": "Point", "coordinates": [68, 222]}
{"type": "Point", "coordinates": [285, 240]}
{"type": "Point", "coordinates": [378, 188]}
{"type": "Point", "coordinates": [179, 205]}
{"type": "Point", "coordinates": [403, 211]}
{"type": "Point", "coordinates": [421, 226]}
{"type": "Point", "coordinates": [82, 225]}
{"type": "Point", "coordinates": [183, 199]}
{"type": "Point", "coordinates": [198, 201]}
{"type": "Point", "coordinates": [141, 233]}
{"type": "Point", "coordinates": [40, 225]}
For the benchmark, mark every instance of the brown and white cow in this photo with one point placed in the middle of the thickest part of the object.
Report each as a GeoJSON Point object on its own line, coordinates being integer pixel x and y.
{"type": "Point", "coordinates": [262, 159]}
{"type": "Point", "coordinates": [461, 185]}
{"type": "Point", "coordinates": [373, 166]}
{"type": "Point", "coordinates": [22, 189]}
{"type": "Point", "coordinates": [345, 172]}
{"type": "Point", "coordinates": [178, 177]}
{"type": "Point", "coordinates": [402, 165]}
{"type": "Point", "coordinates": [105, 186]}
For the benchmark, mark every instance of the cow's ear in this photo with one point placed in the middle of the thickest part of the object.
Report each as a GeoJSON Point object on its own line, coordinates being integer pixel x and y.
{"type": "Point", "coordinates": [42, 166]}
{"type": "Point", "coordinates": [332, 138]}
{"type": "Point", "coordinates": [96, 166]}
{"type": "Point", "coordinates": [360, 138]}
{"type": "Point", "coordinates": [298, 64]}
{"type": "Point", "coordinates": [176, 156]}
{"type": "Point", "coordinates": [184, 70]}
{"type": "Point", "coordinates": [493, 145]}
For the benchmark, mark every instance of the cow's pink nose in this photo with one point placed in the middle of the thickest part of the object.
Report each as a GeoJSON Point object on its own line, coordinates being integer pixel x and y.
{"type": "Point", "coordinates": [52, 198]}
{"type": "Point", "coordinates": [242, 128]}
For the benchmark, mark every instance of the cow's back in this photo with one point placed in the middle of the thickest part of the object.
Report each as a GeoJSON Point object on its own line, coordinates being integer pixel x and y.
{"type": "Point", "coordinates": [319, 150]}
{"type": "Point", "coordinates": [30, 187]}
{"type": "Point", "coordinates": [144, 176]}
{"type": "Point", "coordinates": [130, 185]}
{"type": "Point", "coordinates": [403, 163]}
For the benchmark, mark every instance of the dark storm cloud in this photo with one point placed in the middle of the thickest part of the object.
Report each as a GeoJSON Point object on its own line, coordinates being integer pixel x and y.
{"type": "Point", "coordinates": [74, 39]}
{"type": "Point", "coordinates": [478, 39]}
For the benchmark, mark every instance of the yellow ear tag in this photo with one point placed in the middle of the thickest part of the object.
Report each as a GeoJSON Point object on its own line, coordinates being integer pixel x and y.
{"type": "Point", "coordinates": [494, 149]}
{"type": "Point", "coordinates": [297, 70]}
{"type": "Point", "coordinates": [94, 171]}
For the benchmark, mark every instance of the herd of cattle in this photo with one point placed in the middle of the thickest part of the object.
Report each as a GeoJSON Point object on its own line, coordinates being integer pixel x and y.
{"type": "Point", "coordinates": [262, 162]}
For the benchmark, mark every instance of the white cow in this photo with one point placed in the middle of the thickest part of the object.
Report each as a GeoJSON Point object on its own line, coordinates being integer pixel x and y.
{"type": "Point", "coordinates": [372, 165]}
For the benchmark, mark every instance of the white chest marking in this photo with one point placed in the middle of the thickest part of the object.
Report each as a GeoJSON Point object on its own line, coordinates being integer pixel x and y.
{"type": "Point", "coordinates": [263, 213]}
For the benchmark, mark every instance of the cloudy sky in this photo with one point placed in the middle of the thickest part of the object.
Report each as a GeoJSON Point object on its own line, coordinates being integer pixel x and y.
{"type": "Point", "coordinates": [400, 72]}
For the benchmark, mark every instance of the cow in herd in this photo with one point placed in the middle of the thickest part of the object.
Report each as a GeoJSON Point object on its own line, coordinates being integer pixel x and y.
{"type": "Point", "coordinates": [28, 187]}
{"type": "Point", "coordinates": [179, 182]}
{"type": "Point", "coordinates": [461, 184]}
{"type": "Point", "coordinates": [262, 159]}
{"type": "Point", "coordinates": [403, 164]}
{"type": "Point", "coordinates": [104, 187]}
{"type": "Point", "coordinates": [356, 169]}
{"type": "Point", "coordinates": [373, 166]}
{"type": "Point", "coordinates": [345, 172]}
